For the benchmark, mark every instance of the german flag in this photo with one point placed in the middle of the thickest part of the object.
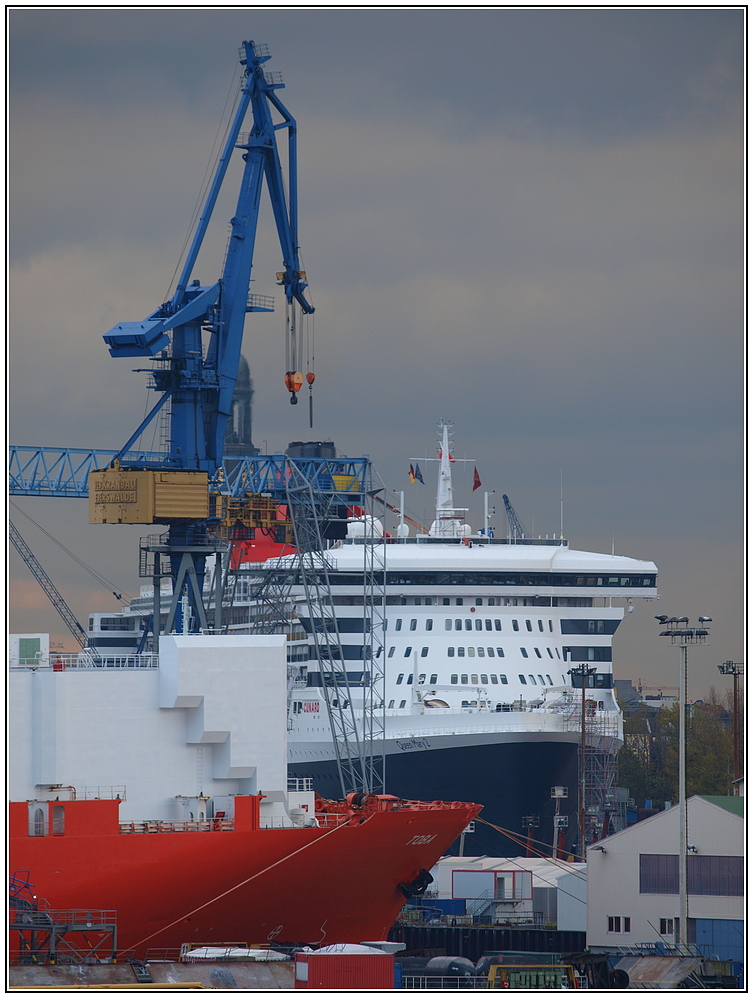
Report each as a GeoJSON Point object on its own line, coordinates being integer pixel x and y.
{"type": "Point", "coordinates": [411, 475]}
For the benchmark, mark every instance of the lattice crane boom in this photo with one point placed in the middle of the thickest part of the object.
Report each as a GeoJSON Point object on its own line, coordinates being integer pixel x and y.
{"type": "Point", "coordinates": [516, 527]}
{"type": "Point", "coordinates": [47, 585]}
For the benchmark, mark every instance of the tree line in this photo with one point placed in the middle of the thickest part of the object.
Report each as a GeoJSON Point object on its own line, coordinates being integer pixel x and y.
{"type": "Point", "coordinates": [648, 762]}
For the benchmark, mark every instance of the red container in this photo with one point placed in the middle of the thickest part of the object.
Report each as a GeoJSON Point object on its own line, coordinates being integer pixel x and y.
{"type": "Point", "coordinates": [345, 971]}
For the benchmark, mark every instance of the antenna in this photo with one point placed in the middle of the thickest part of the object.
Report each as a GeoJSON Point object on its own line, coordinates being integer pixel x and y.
{"type": "Point", "coordinates": [562, 510]}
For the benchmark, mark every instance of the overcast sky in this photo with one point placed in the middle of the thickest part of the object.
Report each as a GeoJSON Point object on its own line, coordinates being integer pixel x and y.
{"type": "Point", "coordinates": [527, 222]}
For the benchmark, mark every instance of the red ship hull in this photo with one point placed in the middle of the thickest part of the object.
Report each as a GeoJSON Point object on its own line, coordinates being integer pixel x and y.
{"type": "Point", "coordinates": [241, 883]}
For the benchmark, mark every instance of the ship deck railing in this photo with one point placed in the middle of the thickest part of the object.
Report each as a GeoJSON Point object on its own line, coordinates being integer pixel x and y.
{"type": "Point", "coordinates": [61, 661]}
{"type": "Point", "coordinates": [227, 824]}
{"type": "Point", "coordinates": [156, 827]}
{"type": "Point", "coordinates": [43, 915]}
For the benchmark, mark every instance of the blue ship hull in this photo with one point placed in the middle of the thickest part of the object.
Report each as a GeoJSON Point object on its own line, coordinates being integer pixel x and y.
{"type": "Point", "coordinates": [512, 781]}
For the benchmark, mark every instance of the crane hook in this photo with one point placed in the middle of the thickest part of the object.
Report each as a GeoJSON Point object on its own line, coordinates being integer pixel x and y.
{"type": "Point", "coordinates": [293, 382]}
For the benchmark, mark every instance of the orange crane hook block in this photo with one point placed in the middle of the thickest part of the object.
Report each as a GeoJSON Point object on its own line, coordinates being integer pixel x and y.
{"type": "Point", "coordinates": [293, 382]}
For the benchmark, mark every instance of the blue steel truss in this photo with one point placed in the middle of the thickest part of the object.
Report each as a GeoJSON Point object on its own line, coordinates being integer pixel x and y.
{"type": "Point", "coordinates": [63, 472]}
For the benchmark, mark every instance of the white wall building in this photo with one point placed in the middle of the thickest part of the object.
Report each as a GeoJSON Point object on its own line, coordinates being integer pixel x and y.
{"type": "Point", "coordinates": [209, 721]}
{"type": "Point", "coordinates": [633, 881]}
{"type": "Point", "coordinates": [500, 887]}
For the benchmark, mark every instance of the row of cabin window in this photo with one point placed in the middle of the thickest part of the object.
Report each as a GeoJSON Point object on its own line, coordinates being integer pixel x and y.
{"type": "Point", "coordinates": [502, 679]}
{"type": "Point", "coordinates": [472, 652]}
{"type": "Point", "coordinates": [485, 679]}
{"type": "Point", "coordinates": [592, 626]}
{"type": "Point", "coordinates": [459, 624]}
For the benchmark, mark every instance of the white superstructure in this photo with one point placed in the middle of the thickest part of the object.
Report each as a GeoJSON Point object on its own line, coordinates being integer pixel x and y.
{"type": "Point", "coordinates": [171, 734]}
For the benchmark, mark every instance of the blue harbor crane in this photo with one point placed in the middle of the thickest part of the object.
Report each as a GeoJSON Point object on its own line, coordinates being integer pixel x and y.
{"type": "Point", "coordinates": [199, 382]}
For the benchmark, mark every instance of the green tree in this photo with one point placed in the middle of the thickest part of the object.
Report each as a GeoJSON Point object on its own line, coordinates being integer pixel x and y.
{"type": "Point", "coordinates": [649, 760]}
{"type": "Point", "coordinates": [709, 748]}
{"type": "Point", "coordinates": [640, 761]}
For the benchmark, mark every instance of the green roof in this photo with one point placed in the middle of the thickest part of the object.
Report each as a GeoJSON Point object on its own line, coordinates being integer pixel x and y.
{"type": "Point", "coordinates": [735, 805]}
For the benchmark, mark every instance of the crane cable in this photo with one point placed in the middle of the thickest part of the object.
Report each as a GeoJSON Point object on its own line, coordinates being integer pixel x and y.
{"type": "Point", "coordinates": [541, 853]}
{"type": "Point", "coordinates": [310, 336]}
{"type": "Point", "coordinates": [214, 155]}
{"type": "Point", "coordinates": [94, 574]}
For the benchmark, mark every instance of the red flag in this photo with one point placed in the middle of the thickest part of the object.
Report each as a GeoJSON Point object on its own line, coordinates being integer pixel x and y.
{"type": "Point", "coordinates": [476, 480]}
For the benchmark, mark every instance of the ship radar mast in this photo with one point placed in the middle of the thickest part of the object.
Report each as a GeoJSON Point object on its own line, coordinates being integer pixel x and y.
{"type": "Point", "coordinates": [450, 519]}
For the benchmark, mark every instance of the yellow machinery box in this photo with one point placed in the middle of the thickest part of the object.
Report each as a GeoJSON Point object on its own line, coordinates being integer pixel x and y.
{"type": "Point", "coordinates": [119, 496]}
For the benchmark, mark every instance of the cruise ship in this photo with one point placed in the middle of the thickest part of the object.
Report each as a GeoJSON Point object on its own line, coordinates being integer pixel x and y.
{"type": "Point", "coordinates": [484, 644]}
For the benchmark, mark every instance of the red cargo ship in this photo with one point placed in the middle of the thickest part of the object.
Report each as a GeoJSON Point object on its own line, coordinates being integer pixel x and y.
{"type": "Point", "coordinates": [170, 883]}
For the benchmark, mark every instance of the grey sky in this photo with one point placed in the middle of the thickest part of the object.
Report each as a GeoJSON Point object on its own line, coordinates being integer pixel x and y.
{"type": "Point", "coordinates": [529, 222]}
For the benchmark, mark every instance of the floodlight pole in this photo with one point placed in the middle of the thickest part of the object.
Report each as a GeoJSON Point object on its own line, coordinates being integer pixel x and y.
{"type": "Point", "coordinates": [734, 669]}
{"type": "Point", "coordinates": [679, 633]}
{"type": "Point", "coordinates": [582, 671]}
